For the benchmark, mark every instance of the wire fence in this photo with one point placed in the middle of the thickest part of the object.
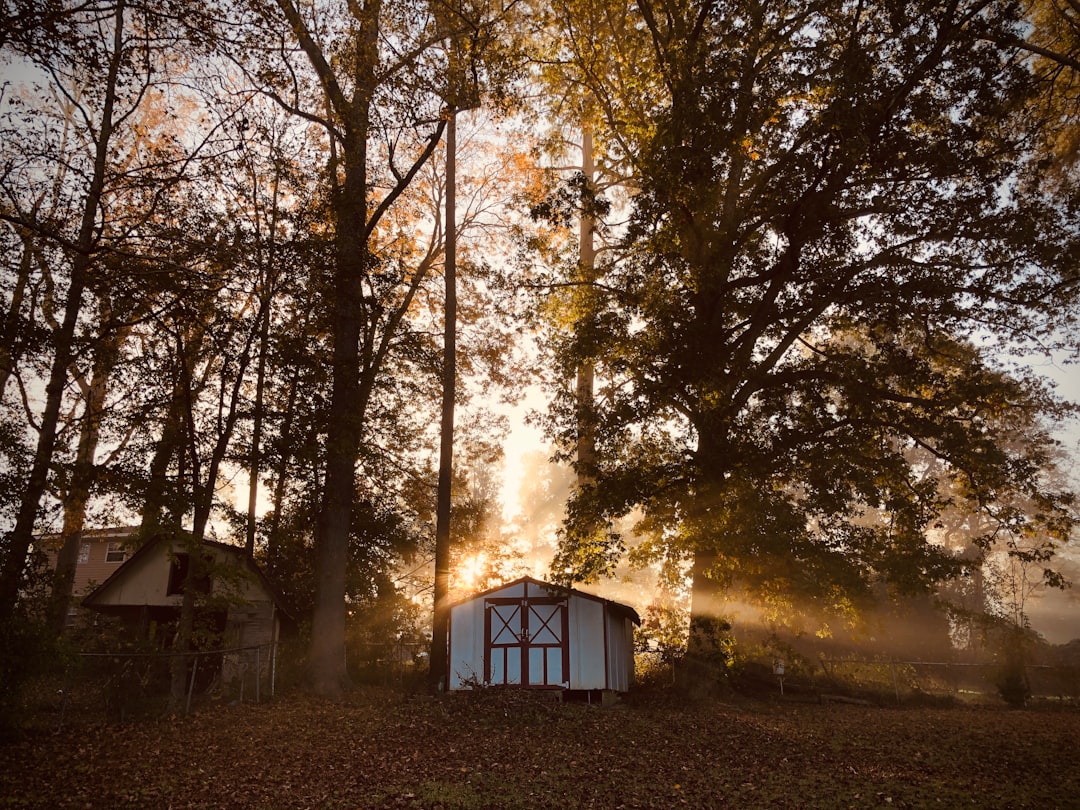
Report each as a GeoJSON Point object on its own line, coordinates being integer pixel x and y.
{"type": "Point", "coordinates": [125, 685]}
{"type": "Point", "coordinates": [119, 685]}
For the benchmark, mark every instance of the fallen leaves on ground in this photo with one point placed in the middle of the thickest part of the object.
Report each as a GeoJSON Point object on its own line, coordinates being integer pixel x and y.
{"type": "Point", "coordinates": [381, 749]}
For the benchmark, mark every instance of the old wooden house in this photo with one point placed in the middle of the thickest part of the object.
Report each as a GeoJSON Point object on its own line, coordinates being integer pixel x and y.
{"type": "Point", "coordinates": [235, 600]}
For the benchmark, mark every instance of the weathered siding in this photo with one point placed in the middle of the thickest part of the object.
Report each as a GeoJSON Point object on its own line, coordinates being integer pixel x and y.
{"type": "Point", "coordinates": [239, 591]}
{"type": "Point", "coordinates": [250, 624]}
{"type": "Point", "coordinates": [146, 580]}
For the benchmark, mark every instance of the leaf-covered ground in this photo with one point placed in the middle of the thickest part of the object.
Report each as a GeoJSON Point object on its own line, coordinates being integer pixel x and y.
{"type": "Point", "coordinates": [382, 749]}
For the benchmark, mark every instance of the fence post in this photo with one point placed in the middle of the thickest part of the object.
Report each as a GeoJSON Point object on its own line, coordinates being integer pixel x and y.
{"type": "Point", "coordinates": [273, 668]}
{"type": "Point", "coordinates": [64, 698]}
{"type": "Point", "coordinates": [258, 673]}
{"type": "Point", "coordinates": [895, 685]}
{"type": "Point", "coordinates": [191, 686]}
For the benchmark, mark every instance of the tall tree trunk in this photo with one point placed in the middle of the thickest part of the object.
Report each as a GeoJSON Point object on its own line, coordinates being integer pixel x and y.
{"type": "Point", "coordinates": [707, 652]}
{"type": "Point", "coordinates": [441, 620]}
{"type": "Point", "coordinates": [273, 534]}
{"type": "Point", "coordinates": [326, 657]}
{"type": "Point", "coordinates": [191, 545]}
{"type": "Point", "coordinates": [82, 476]}
{"type": "Point", "coordinates": [203, 483]}
{"type": "Point", "coordinates": [164, 506]}
{"type": "Point", "coordinates": [18, 544]}
{"type": "Point", "coordinates": [156, 498]}
{"type": "Point", "coordinates": [9, 330]}
{"type": "Point", "coordinates": [256, 434]}
{"type": "Point", "coordinates": [353, 316]}
{"type": "Point", "coordinates": [268, 274]}
{"type": "Point", "coordinates": [326, 654]}
{"type": "Point", "coordinates": [586, 371]}
{"type": "Point", "coordinates": [188, 448]}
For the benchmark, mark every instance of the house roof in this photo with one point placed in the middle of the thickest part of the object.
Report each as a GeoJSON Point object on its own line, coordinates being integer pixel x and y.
{"type": "Point", "coordinates": [145, 550]}
{"type": "Point", "coordinates": [113, 533]}
{"type": "Point", "coordinates": [617, 607]}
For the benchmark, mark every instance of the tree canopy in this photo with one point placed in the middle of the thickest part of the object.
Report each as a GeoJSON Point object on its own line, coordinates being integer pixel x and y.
{"type": "Point", "coordinates": [842, 227]}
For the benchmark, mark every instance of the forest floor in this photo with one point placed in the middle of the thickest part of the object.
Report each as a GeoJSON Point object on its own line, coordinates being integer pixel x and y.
{"type": "Point", "coordinates": [383, 749]}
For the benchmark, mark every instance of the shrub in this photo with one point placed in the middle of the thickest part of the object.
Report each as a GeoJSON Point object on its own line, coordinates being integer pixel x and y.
{"type": "Point", "coordinates": [1012, 682]}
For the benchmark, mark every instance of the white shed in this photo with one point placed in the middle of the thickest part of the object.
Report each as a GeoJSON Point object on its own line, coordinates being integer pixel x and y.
{"type": "Point", "coordinates": [532, 634]}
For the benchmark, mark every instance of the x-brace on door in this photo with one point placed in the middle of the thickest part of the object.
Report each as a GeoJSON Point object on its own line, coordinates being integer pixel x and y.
{"type": "Point", "coordinates": [527, 642]}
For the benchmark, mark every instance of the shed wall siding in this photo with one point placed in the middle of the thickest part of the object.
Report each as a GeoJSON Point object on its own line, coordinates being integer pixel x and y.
{"type": "Point", "coordinates": [237, 583]}
{"type": "Point", "coordinates": [586, 644]}
{"type": "Point", "coordinates": [516, 591]}
{"type": "Point", "coordinates": [620, 641]}
{"type": "Point", "coordinates": [466, 644]}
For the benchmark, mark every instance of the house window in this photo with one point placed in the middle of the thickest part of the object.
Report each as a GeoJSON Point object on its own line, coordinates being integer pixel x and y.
{"type": "Point", "coordinates": [178, 574]}
{"type": "Point", "coordinates": [84, 554]}
{"type": "Point", "coordinates": [115, 553]}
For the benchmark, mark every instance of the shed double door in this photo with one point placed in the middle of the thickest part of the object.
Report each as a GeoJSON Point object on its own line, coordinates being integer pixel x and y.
{"type": "Point", "coordinates": [526, 642]}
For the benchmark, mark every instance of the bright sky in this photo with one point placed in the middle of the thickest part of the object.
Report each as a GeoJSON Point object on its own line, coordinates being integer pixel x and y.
{"type": "Point", "coordinates": [522, 440]}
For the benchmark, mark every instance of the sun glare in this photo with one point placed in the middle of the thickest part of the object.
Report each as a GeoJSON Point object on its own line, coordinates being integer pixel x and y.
{"type": "Point", "coordinates": [470, 570]}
